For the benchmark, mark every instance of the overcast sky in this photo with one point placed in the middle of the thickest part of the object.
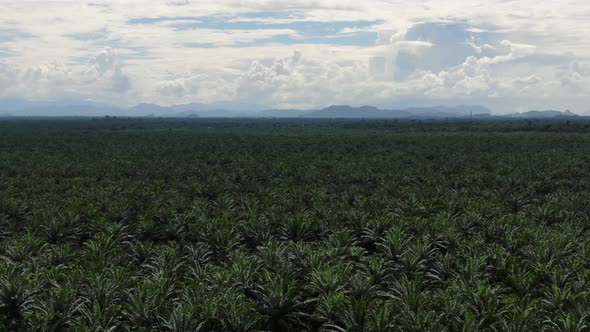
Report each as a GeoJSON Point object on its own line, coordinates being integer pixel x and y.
{"type": "Point", "coordinates": [518, 54]}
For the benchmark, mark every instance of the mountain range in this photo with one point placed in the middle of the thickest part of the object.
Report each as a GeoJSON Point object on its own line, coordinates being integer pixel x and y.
{"type": "Point", "coordinates": [371, 112]}
{"type": "Point", "coordinates": [19, 107]}
{"type": "Point", "coordinates": [543, 114]}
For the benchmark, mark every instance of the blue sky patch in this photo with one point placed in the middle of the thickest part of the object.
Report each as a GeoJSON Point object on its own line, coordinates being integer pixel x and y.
{"type": "Point", "coordinates": [93, 35]}
{"type": "Point", "coordinates": [353, 39]}
{"type": "Point", "coordinates": [312, 32]}
{"type": "Point", "coordinates": [6, 54]}
{"type": "Point", "coordinates": [270, 15]}
{"type": "Point", "coordinates": [200, 45]}
{"type": "Point", "coordinates": [13, 35]}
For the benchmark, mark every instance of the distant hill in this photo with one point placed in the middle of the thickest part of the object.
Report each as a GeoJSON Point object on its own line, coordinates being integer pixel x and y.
{"type": "Point", "coordinates": [198, 110]}
{"type": "Point", "coordinates": [147, 110]}
{"type": "Point", "coordinates": [282, 113]}
{"type": "Point", "coordinates": [371, 112]}
{"type": "Point", "coordinates": [191, 107]}
{"type": "Point", "coordinates": [332, 112]}
{"type": "Point", "coordinates": [218, 109]}
{"type": "Point", "coordinates": [198, 114]}
{"type": "Point", "coordinates": [191, 110]}
{"type": "Point", "coordinates": [448, 112]}
{"type": "Point", "coordinates": [349, 112]}
{"type": "Point", "coordinates": [543, 114]}
{"type": "Point", "coordinates": [20, 107]}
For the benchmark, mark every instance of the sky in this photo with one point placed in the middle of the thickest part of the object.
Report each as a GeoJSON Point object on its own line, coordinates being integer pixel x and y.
{"type": "Point", "coordinates": [510, 55]}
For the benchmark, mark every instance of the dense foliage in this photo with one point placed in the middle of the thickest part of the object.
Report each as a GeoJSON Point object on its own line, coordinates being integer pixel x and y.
{"type": "Point", "coordinates": [116, 225]}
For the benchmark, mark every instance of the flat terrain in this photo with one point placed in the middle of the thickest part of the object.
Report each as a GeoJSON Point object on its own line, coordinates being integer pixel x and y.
{"type": "Point", "coordinates": [211, 225]}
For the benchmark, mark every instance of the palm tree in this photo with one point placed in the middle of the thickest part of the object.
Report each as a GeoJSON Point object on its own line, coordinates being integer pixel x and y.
{"type": "Point", "coordinates": [278, 300]}
{"type": "Point", "coordinates": [16, 300]}
{"type": "Point", "coordinates": [183, 319]}
{"type": "Point", "coordinates": [58, 311]}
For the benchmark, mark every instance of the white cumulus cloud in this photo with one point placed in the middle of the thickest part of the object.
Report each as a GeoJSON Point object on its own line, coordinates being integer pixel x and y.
{"type": "Point", "coordinates": [273, 52]}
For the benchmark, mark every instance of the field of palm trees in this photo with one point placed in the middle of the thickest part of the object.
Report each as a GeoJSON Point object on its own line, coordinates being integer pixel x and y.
{"type": "Point", "coordinates": [210, 225]}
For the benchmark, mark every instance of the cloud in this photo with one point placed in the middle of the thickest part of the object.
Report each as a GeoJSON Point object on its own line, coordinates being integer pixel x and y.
{"type": "Point", "coordinates": [7, 77]}
{"type": "Point", "coordinates": [171, 88]}
{"type": "Point", "coordinates": [306, 79]}
{"type": "Point", "coordinates": [109, 68]}
{"type": "Point", "coordinates": [376, 51]}
{"type": "Point", "coordinates": [106, 60]}
{"type": "Point", "coordinates": [102, 75]}
{"type": "Point", "coordinates": [515, 51]}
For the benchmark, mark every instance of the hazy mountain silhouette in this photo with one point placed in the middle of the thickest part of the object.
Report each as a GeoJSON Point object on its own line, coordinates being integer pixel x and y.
{"type": "Point", "coordinates": [21, 107]}
{"type": "Point", "coordinates": [282, 113]}
{"type": "Point", "coordinates": [363, 112]}
{"type": "Point", "coordinates": [147, 109]}
{"type": "Point", "coordinates": [371, 112]}
{"type": "Point", "coordinates": [548, 114]}
{"type": "Point", "coordinates": [448, 112]}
